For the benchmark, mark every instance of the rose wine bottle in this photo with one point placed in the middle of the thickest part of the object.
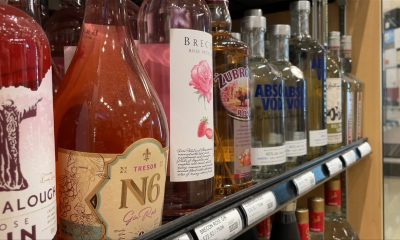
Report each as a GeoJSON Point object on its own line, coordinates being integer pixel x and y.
{"type": "Point", "coordinates": [27, 164]}
{"type": "Point", "coordinates": [111, 134]}
{"type": "Point", "coordinates": [175, 47]}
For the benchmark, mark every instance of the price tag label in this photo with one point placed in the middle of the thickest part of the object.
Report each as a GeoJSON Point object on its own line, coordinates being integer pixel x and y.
{"type": "Point", "coordinates": [334, 166]}
{"type": "Point", "coordinates": [364, 149]}
{"type": "Point", "coordinates": [304, 182]}
{"type": "Point", "coordinates": [223, 227]}
{"type": "Point", "coordinates": [259, 207]}
{"type": "Point", "coordinates": [349, 158]}
{"type": "Point", "coordinates": [184, 236]}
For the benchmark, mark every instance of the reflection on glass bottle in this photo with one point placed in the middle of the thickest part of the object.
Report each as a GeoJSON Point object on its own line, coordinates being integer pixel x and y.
{"type": "Point", "coordinates": [31, 7]}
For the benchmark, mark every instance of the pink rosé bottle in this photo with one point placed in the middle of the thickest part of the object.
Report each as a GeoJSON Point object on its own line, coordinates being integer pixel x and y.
{"type": "Point", "coordinates": [27, 162]}
{"type": "Point", "coordinates": [175, 47]}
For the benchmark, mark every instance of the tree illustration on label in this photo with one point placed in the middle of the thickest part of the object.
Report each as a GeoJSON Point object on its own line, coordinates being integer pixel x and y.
{"type": "Point", "coordinates": [202, 80]}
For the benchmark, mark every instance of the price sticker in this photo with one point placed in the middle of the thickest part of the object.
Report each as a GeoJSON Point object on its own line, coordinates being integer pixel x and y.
{"type": "Point", "coordinates": [334, 166]}
{"type": "Point", "coordinates": [349, 158]}
{"type": "Point", "coordinates": [223, 227]}
{"type": "Point", "coordinates": [259, 207]}
{"type": "Point", "coordinates": [184, 236]}
{"type": "Point", "coordinates": [304, 182]}
{"type": "Point", "coordinates": [364, 149]}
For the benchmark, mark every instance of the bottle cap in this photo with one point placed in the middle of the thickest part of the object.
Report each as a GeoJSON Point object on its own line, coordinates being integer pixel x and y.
{"type": "Point", "coordinates": [333, 185]}
{"type": "Point", "coordinates": [346, 42]}
{"type": "Point", "coordinates": [236, 35]}
{"type": "Point", "coordinates": [290, 207]}
{"type": "Point", "coordinates": [253, 12]}
{"type": "Point", "coordinates": [316, 204]}
{"type": "Point", "coordinates": [250, 22]}
{"type": "Point", "coordinates": [280, 30]}
{"type": "Point", "coordinates": [334, 39]}
{"type": "Point", "coordinates": [302, 216]}
{"type": "Point", "coordinates": [300, 5]}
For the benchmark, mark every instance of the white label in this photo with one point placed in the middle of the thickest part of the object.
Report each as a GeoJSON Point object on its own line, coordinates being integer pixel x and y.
{"type": "Point", "coordinates": [304, 182]}
{"type": "Point", "coordinates": [191, 90]}
{"type": "Point", "coordinates": [359, 115]}
{"type": "Point", "coordinates": [296, 148]}
{"type": "Point", "coordinates": [69, 52]}
{"type": "Point", "coordinates": [349, 116]}
{"type": "Point", "coordinates": [223, 227]}
{"type": "Point", "coordinates": [349, 158]}
{"type": "Point", "coordinates": [334, 110]}
{"type": "Point", "coordinates": [184, 236]}
{"type": "Point", "coordinates": [259, 207]}
{"type": "Point", "coordinates": [268, 155]}
{"type": "Point", "coordinates": [364, 149]}
{"type": "Point", "coordinates": [334, 166]}
{"type": "Point", "coordinates": [318, 138]}
{"type": "Point", "coordinates": [27, 165]}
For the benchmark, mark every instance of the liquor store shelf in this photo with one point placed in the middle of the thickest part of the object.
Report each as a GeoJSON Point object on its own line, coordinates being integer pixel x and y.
{"type": "Point", "coordinates": [235, 214]}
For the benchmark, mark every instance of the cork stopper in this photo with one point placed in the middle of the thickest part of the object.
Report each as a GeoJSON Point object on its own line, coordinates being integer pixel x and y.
{"type": "Point", "coordinates": [290, 207]}
{"type": "Point", "coordinates": [333, 185]}
{"type": "Point", "coordinates": [302, 216]}
{"type": "Point", "coordinates": [316, 204]}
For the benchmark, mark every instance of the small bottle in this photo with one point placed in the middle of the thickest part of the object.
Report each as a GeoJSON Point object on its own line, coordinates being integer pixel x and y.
{"type": "Point", "coordinates": [336, 225]}
{"type": "Point", "coordinates": [264, 229]}
{"type": "Point", "coordinates": [317, 218]}
{"type": "Point", "coordinates": [31, 7]}
{"type": "Point", "coordinates": [27, 165]}
{"type": "Point", "coordinates": [295, 94]}
{"type": "Point", "coordinates": [284, 225]}
{"type": "Point", "coordinates": [303, 223]}
{"type": "Point", "coordinates": [310, 57]}
{"type": "Point", "coordinates": [111, 132]}
{"type": "Point", "coordinates": [334, 93]}
{"type": "Point", "coordinates": [231, 105]}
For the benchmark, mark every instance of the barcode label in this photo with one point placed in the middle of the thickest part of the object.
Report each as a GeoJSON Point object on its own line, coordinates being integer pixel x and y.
{"type": "Point", "coordinates": [349, 158]}
{"type": "Point", "coordinates": [334, 166]}
{"type": "Point", "coordinates": [304, 182]}
{"type": "Point", "coordinates": [259, 207]}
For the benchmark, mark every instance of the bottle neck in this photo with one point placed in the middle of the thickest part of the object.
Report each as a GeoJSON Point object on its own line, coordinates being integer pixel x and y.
{"type": "Point", "coordinates": [346, 61]}
{"type": "Point", "coordinates": [300, 24]}
{"type": "Point", "coordinates": [105, 12]}
{"type": "Point", "coordinates": [254, 38]}
{"type": "Point", "coordinates": [335, 52]}
{"type": "Point", "coordinates": [333, 211]}
{"type": "Point", "coordinates": [220, 17]}
{"type": "Point", "coordinates": [279, 48]}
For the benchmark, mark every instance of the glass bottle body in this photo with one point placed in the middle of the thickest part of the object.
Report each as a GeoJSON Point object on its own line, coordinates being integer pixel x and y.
{"type": "Point", "coordinates": [31, 7]}
{"type": "Point", "coordinates": [284, 226]}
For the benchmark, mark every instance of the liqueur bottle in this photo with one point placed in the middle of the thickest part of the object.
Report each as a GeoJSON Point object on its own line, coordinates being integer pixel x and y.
{"type": "Point", "coordinates": [27, 165]}
{"type": "Point", "coordinates": [63, 29]}
{"type": "Point", "coordinates": [31, 7]}
{"type": "Point", "coordinates": [334, 93]}
{"type": "Point", "coordinates": [175, 46]}
{"type": "Point", "coordinates": [295, 94]}
{"type": "Point", "coordinates": [111, 134]}
{"type": "Point", "coordinates": [284, 225]}
{"type": "Point", "coordinates": [336, 225]}
{"type": "Point", "coordinates": [317, 218]}
{"type": "Point", "coordinates": [268, 150]}
{"type": "Point", "coordinates": [302, 217]}
{"type": "Point", "coordinates": [231, 106]}
{"type": "Point", "coordinates": [310, 57]}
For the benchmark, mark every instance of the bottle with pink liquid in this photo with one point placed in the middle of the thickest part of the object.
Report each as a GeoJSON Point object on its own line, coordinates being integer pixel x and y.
{"type": "Point", "coordinates": [175, 47]}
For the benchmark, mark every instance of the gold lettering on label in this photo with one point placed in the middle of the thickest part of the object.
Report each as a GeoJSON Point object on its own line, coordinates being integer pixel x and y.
{"type": "Point", "coordinates": [140, 195]}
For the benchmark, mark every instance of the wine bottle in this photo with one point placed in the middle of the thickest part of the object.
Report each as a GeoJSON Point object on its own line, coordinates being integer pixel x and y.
{"type": "Point", "coordinates": [231, 105]}
{"type": "Point", "coordinates": [175, 47]}
{"type": "Point", "coordinates": [284, 225]}
{"type": "Point", "coordinates": [316, 218]}
{"type": "Point", "coordinates": [111, 134]}
{"type": "Point", "coordinates": [302, 217]}
{"type": "Point", "coordinates": [27, 165]}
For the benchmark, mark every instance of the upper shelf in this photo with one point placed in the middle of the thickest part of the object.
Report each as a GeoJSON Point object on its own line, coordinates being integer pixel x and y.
{"type": "Point", "coordinates": [235, 214]}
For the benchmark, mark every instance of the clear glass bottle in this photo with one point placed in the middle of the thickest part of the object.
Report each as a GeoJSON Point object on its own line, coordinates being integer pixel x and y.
{"type": "Point", "coordinates": [317, 218]}
{"type": "Point", "coordinates": [295, 93]}
{"type": "Point", "coordinates": [27, 165]}
{"type": "Point", "coordinates": [231, 105]}
{"type": "Point", "coordinates": [336, 225]}
{"type": "Point", "coordinates": [111, 132]}
{"type": "Point", "coordinates": [302, 217]}
{"type": "Point", "coordinates": [284, 225]}
{"type": "Point", "coordinates": [334, 93]}
{"type": "Point", "coordinates": [175, 46]}
{"type": "Point", "coordinates": [310, 57]}
{"type": "Point", "coordinates": [31, 7]}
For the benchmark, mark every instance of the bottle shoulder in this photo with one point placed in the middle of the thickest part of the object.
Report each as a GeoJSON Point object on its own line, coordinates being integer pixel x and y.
{"type": "Point", "coordinates": [225, 40]}
{"type": "Point", "coordinates": [307, 45]}
{"type": "Point", "coordinates": [260, 67]}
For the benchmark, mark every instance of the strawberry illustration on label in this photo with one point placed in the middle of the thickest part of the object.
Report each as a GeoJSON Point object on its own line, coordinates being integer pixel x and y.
{"type": "Point", "coordinates": [209, 133]}
{"type": "Point", "coordinates": [201, 130]}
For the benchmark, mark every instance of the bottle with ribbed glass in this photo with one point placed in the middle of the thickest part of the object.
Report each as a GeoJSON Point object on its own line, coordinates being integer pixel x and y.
{"type": "Point", "coordinates": [175, 46]}
{"type": "Point", "coordinates": [310, 57]}
{"type": "Point", "coordinates": [336, 225]}
{"type": "Point", "coordinates": [295, 95]}
{"type": "Point", "coordinates": [317, 218]}
{"type": "Point", "coordinates": [231, 106]}
{"type": "Point", "coordinates": [334, 93]}
{"type": "Point", "coordinates": [111, 132]}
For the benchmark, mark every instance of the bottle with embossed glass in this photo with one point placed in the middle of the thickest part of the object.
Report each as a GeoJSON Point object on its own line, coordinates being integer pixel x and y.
{"type": "Point", "coordinates": [310, 57]}
{"type": "Point", "coordinates": [268, 150]}
{"type": "Point", "coordinates": [295, 94]}
{"type": "Point", "coordinates": [111, 133]}
{"type": "Point", "coordinates": [231, 106]}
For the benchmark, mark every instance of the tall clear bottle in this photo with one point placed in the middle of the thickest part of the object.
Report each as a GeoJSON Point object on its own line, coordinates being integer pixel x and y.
{"type": "Point", "coordinates": [334, 93]}
{"type": "Point", "coordinates": [310, 57]}
{"type": "Point", "coordinates": [231, 105]}
{"type": "Point", "coordinates": [27, 165]}
{"type": "Point", "coordinates": [175, 46]}
{"type": "Point", "coordinates": [295, 94]}
{"type": "Point", "coordinates": [111, 132]}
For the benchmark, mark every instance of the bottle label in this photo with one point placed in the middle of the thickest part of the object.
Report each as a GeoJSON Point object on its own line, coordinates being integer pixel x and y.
{"type": "Point", "coordinates": [318, 138]}
{"type": "Point", "coordinates": [242, 143]}
{"type": "Point", "coordinates": [317, 222]}
{"type": "Point", "coordinates": [106, 196]}
{"type": "Point", "coordinates": [349, 117]}
{"type": "Point", "coordinates": [333, 197]}
{"type": "Point", "coordinates": [334, 109]}
{"type": "Point", "coordinates": [304, 230]}
{"type": "Point", "coordinates": [268, 155]}
{"type": "Point", "coordinates": [359, 115]}
{"type": "Point", "coordinates": [296, 148]}
{"type": "Point", "coordinates": [69, 52]}
{"type": "Point", "coordinates": [191, 91]}
{"type": "Point", "coordinates": [294, 97]}
{"type": "Point", "coordinates": [234, 92]}
{"type": "Point", "coordinates": [27, 165]}
{"type": "Point", "coordinates": [270, 96]}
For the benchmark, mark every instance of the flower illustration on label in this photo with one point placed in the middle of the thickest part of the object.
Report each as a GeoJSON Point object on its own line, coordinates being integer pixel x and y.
{"type": "Point", "coordinates": [202, 80]}
{"type": "Point", "coordinates": [203, 130]}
